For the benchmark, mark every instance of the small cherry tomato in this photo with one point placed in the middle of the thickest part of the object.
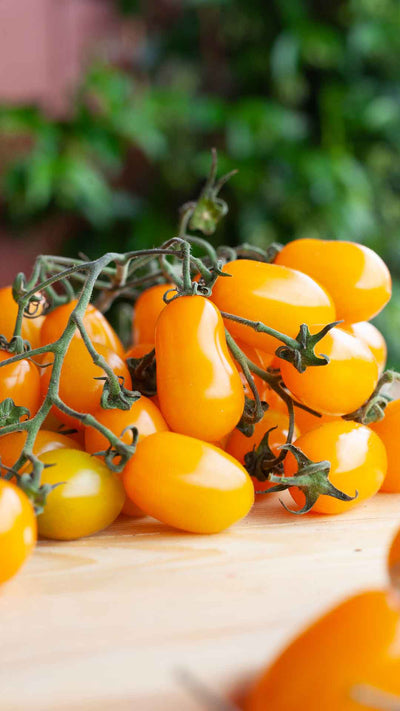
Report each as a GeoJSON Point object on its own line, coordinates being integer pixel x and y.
{"type": "Point", "coordinates": [188, 484]}
{"type": "Point", "coordinates": [21, 382]}
{"type": "Point", "coordinates": [358, 463]}
{"type": "Point", "coordinates": [79, 388]}
{"type": "Point", "coordinates": [97, 327]}
{"type": "Point", "coordinates": [341, 386]}
{"type": "Point", "coordinates": [11, 445]}
{"type": "Point", "coordinates": [388, 430]}
{"type": "Point", "coordinates": [30, 330]}
{"type": "Point", "coordinates": [18, 530]}
{"type": "Point", "coordinates": [138, 351]}
{"type": "Point", "coordinates": [357, 642]}
{"type": "Point", "coordinates": [146, 312]}
{"type": "Point", "coordinates": [355, 276]}
{"type": "Point", "coordinates": [279, 297]}
{"type": "Point", "coordinates": [89, 496]}
{"type": "Point", "coordinates": [198, 385]}
{"type": "Point", "coordinates": [368, 333]}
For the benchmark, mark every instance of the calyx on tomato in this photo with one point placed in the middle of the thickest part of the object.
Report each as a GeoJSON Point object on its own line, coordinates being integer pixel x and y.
{"type": "Point", "coordinates": [374, 409]}
{"type": "Point", "coordinates": [10, 413]}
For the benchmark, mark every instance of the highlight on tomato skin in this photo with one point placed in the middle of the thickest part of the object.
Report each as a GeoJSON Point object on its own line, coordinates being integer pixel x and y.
{"type": "Point", "coordinates": [188, 484]}
{"type": "Point", "coordinates": [388, 430]}
{"type": "Point", "coordinates": [146, 312]}
{"type": "Point", "coordinates": [18, 529]}
{"type": "Point", "coordinates": [374, 339]}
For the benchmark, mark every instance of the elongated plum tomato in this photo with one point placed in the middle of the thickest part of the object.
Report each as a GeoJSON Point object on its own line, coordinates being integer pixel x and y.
{"type": "Point", "coordinates": [356, 643]}
{"type": "Point", "coordinates": [21, 382]}
{"type": "Point", "coordinates": [279, 297]}
{"type": "Point", "coordinates": [341, 386]}
{"type": "Point", "coordinates": [188, 484]}
{"type": "Point", "coordinates": [355, 276]}
{"type": "Point", "coordinates": [79, 388]}
{"type": "Point", "coordinates": [30, 330]}
{"type": "Point", "coordinates": [146, 312]}
{"type": "Point", "coordinates": [97, 327]}
{"type": "Point", "coordinates": [88, 499]}
{"type": "Point", "coordinates": [358, 463]}
{"type": "Point", "coordinates": [368, 333]}
{"type": "Point", "coordinates": [11, 445]}
{"type": "Point", "coordinates": [18, 530]}
{"type": "Point", "coordinates": [198, 385]}
{"type": "Point", "coordinates": [388, 430]}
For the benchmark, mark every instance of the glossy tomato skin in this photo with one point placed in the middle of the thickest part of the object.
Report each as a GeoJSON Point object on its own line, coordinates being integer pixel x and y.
{"type": "Point", "coordinates": [355, 276]}
{"type": "Point", "coordinates": [79, 388]}
{"type": "Point", "coordinates": [18, 529]}
{"type": "Point", "coordinates": [198, 386]}
{"type": "Point", "coordinates": [21, 382]}
{"type": "Point", "coordinates": [388, 430]}
{"type": "Point", "coordinates": [341, 386]}
{"type": "Point", "coordinates": [146, 312]}
{"type": "Point", "coordinates": [188, 484]}
{"type": "Point", "coordinates": [11, 445]}
{"type": "Point", "coordinates": [356, 641]}
{"type": "Point", "coordinates": [89, 498]}
{"type": "Point", "coordinates": [8, 315]}
{"type": "Point", "coordinates": [97, 327]}
{"type": "Point", "coordinates": [358, 463]}
{"type": "Point", "coordinates": [281, 298]}
{"type": "Point", "coordinates": [375, 341]}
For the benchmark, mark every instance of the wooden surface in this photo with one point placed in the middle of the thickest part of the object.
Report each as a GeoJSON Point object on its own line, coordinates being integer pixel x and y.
{"type": "Point", "coordinates": [107, 622]}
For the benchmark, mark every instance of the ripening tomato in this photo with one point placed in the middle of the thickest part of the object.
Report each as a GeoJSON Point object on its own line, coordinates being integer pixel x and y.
{"type": "Point", "coordinates": [89, 496]}
{"type": "Point", "coordinates": [21, 382]}
{"type": "Point", "coordinates": [198, 385]}
{"type": "Point", "coordinates": [138, 351]}
{"type": "Point", "coordinates": [79, 388]}
{"type": "Point", "coordinates": [238, 444]}
{"type": "Point", "coordinates": [368, 333]}
{"type": "Point", "coordinates": [355, 276]}
{"type": "Point", "coordinates": [97, 327]}
{"type": "Point", "coordinates": [341, 386]}
{"type": "Point", "coordinates": [18, 530]}
{"type": "Point", "coordinates": [279, 297]}
{"type": "Point", "coordinates": [11, 445]}
{"type": "Point", "coordinates": [388, 430]}
{"type": "Point", "coordinates": [358, 463]}
{"type": "Point", "coordinates": [30, 330]}
{"type": "Point", "coordinates": [188, 484]}
{"type": "Point", "coordinates": [146, 312]}
{"type": "Point", "coordinates": [357, 641]}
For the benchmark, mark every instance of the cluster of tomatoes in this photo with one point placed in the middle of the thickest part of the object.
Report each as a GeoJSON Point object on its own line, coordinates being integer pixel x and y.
{"type": "Point", "coordinates": [192, 460]}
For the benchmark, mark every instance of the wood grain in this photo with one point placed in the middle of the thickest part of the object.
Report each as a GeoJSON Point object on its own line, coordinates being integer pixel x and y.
{"type": "Point", "coordinates": [107, 622]}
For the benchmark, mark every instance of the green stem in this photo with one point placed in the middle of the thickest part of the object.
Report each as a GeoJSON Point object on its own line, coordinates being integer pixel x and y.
{"type": "Point", "coordinates": [260, 327]}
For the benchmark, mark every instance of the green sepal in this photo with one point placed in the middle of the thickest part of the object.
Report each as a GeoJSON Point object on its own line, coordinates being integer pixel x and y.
{"type": "Point", "coordinates": [122, 400]}
{"type": "Point", "coordinates": [261, 460]}
{"type": "Point", "coordinates": [252, 413]}
{"type": "Point", "coordinates": [118, 455]}
{"type": "Point", "coordinates": [36, 493]}
{"type": "Point", "coordinates": [208, 212]}
{"type": "Point", "coordinates": [143, 373]}
{"type": "Point", "coordinates": [304, 356]}
{"type": "Point", "coordinates": [374, 409]}
{"type": "Point", "coordinates": [10, 413]}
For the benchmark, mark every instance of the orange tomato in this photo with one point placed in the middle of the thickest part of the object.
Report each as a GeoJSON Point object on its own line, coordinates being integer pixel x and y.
{"type": "Point", "coordinates": [357, 641]}
{"type": "Point", "coordinates": [8, 315]}
{"type": "Point", "coordinates": [138, 351]}
{"type": "Point", "coordinates": [146, 312]}
{"type": "Point", "coordinates": [11, 445]}
{"type": "Point", "coordinates": [355, 276]}
{"type": "Point", "coordinates": [341, 386]}
{"type": "Point", "coordinates": [97, 327]}
{"type": "Point", "coordinates": [21, 382]}
{"type": "Point", "coordinates": [198, 385]}
{"type": "Point", "coordinates": [358, 463]}
{"type": "Point", "coordinates": [388, 430]}
{"type": "Point", "coordinates": [305, 421]}
{"type": "Point", "coordinates": [368, 333]}
{"type": "Point", "coordinates": [279, 297]}
{"type": "Point", "coordinates": [18, 530]}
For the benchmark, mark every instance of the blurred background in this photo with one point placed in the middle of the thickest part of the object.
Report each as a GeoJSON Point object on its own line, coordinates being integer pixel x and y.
{"type": "Point", "coordinates": [109, 110]}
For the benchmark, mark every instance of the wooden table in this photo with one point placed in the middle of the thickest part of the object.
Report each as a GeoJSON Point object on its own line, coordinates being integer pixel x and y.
{"type": "Point", "coordinates": [107, 622]}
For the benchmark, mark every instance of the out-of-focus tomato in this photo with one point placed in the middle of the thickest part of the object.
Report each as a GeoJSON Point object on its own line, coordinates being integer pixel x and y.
{"type": "Point", "coordinates": [198, 385]}
{"type": "Point", "coordinates": [393, 564]}
{"type": "Point", "coordinates": [11, 445]}
{"type": "Point", "coordinates": [138, 351]}
{"type": "Point", "coordinates": [368, 333]}
{"type": "Point", "coordinates": [89, 498]}
{"type": "Point", "coordinates": [341, 386]}
{"type": "Point", "coordinates": [8, 315]}
{"type": "Point", "coordinates": [97, 327]}
{"type": "Point", "coordinates": [79, 388]}
{"type": "Point", "coordinates": [188, 484]}
{"type": "Point", "coordinates": [279, 297]}
{"type": "Point", "coordinates": [355, 276]}
{"type": "Point", "coordinates": [18, 530]}
{"type": "Point", "coordinates": [146, 312]}
{"type": "Point", "coordinates": [358, 463]}
{"type": "Point", "coordinates": [388, 430]}
{"type": "Point", "coordinates": [21, 382]}
{"type": "Point", "coordinates": [357, 641]}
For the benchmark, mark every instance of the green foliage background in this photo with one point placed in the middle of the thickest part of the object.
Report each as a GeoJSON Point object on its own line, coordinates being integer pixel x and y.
{"type": "Point", "coordinates": [302, 97]}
